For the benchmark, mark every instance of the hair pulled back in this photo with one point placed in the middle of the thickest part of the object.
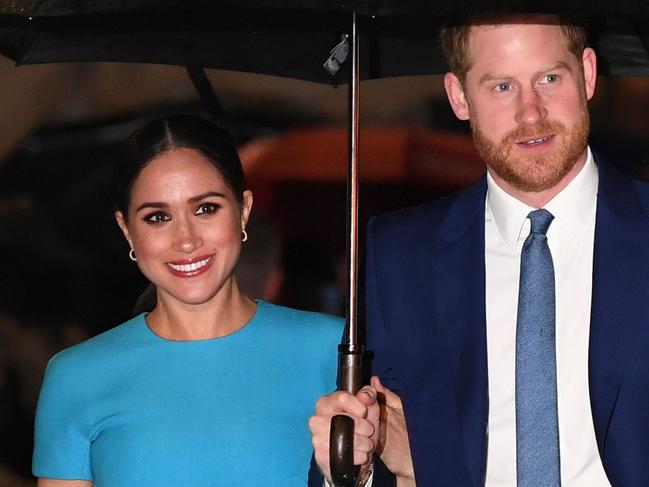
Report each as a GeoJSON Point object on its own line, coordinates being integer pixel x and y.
{"type": "Point", "coordinates": [176, 132]}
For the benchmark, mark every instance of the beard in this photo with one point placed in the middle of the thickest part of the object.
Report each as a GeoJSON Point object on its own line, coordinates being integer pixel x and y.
{"type": "Point", "coordinates": [537, 172]}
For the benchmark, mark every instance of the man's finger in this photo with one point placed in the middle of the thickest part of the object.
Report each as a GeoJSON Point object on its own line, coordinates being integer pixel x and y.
{"type": "Point", "coordinates": [363, 444]}
{"type": "Point", "coordinates": [391, 399]}
{"type": "Point", "coordinates": [340, 402]}
{"type": "Point", "coordinates": [320, 426]}
{"type": "Point", "coordinates": [367, 396]}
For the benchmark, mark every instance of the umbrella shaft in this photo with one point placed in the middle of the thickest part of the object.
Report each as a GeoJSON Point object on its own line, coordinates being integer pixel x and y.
{"type": "Point", "coordinates": [352, 187]}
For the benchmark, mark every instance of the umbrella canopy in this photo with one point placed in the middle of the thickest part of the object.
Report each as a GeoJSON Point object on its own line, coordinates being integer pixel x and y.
{"type": "Point", "coordinates": [286, 38]}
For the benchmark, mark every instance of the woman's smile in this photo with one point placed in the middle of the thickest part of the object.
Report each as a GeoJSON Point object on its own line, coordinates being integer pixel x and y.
{"type": "Point", "coordinates": [190, 267]}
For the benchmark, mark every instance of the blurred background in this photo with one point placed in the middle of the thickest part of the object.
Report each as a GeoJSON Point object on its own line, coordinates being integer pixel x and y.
{"type": "Point", "coordinates": [65, 271]}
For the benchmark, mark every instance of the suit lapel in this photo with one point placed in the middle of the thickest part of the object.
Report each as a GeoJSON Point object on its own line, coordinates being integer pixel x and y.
{"type": "Point", "coordinates": [620, 261]}
{"type": "Point", "coordinates": [458, 256]}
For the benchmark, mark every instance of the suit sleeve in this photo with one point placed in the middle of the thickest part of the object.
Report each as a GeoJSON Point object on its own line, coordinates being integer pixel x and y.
{"type": "Point", "coordinates": [315, 477]}
{"type": "Point", "coordinates": [378, 339]}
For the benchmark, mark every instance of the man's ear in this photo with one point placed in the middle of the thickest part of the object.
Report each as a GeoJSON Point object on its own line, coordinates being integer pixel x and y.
{"type": "Point", "coordinates": [589, 63]}
{"type": "Point", "coordinates": [456, 97]}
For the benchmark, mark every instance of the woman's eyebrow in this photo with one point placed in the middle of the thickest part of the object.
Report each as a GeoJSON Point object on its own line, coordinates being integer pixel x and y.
{"type": "Point", "coordinates": [193, 199]}
{"type": "Point", "coordinates": [202, 196]}
{"type": "Point", "coordinates": [151, 204]}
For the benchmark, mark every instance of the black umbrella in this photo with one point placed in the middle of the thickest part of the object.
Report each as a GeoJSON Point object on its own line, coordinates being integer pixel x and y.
{"type": "Point", "coordinates": [293, 38]}
{"type": "Point", "coordinates": [286, 38]}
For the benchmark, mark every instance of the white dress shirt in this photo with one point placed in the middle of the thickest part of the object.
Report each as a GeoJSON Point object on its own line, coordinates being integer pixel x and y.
{"type": "Point", "coordinates": [571, 239]}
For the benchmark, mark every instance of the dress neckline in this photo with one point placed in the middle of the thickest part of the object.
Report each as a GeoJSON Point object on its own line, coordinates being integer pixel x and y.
{"type": "Point", "coordinates": [238, 332]}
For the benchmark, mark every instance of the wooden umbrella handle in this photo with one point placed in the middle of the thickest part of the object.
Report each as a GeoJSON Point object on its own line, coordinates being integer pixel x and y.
{"type": "Point", "coordinates": [341, 440]}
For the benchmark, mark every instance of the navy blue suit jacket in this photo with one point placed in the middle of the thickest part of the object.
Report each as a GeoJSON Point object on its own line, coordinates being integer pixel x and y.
{"type": "Point", "coordinates": [427, 327]}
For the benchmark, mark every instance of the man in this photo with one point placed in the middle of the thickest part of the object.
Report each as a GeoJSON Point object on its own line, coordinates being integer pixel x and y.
{"type": "Point", "coordinates": [511, 320]}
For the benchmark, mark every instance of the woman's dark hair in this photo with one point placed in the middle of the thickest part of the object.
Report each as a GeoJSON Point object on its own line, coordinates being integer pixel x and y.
{"type": "Point", "coordinates": [176, 132]}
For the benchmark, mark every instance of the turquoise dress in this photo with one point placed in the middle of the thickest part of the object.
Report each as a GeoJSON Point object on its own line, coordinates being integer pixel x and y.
{"type": "Point", "coordinates": [128, 408]}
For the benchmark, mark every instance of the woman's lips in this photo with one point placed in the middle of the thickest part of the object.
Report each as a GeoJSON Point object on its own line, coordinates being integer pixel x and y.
{"type": "Point", "coordinates": [190, 267]}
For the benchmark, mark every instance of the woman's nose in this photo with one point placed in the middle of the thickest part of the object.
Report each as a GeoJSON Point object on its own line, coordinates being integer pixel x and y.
{"type": "Point", "coordinates": [187, 239]}
{"type": "Point", "coordinates": [531, 110]}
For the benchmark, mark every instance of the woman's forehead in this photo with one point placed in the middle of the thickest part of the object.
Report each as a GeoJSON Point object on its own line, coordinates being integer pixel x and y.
{"type": "Point", "coordinates": [181, 168]}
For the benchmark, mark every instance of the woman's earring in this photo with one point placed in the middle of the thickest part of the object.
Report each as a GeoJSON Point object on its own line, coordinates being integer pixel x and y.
{"type": "Point", "coordinates": [244, 235]}
{"type": "Point", "coordinates": [131, 255]}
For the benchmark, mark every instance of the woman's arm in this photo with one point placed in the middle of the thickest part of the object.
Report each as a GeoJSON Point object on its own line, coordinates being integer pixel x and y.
{"type": "Point", "coordinates": [63, 483]}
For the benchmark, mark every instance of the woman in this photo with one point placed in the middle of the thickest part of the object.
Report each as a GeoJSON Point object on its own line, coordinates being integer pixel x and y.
{"type": "Point", "coordinates": [210, 387]}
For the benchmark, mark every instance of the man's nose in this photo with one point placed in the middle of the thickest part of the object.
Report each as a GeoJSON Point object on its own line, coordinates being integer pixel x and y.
{"type": "Point", "coordinates": [187, 239]}
{"type": "Point", "coordinates": [531, 109]}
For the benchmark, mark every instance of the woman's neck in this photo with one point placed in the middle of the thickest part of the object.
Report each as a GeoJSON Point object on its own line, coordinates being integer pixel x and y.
{"type": "Point", "coordinates": [222, 315]}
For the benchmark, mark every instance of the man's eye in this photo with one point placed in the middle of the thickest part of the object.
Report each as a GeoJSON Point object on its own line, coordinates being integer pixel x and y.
{"type": "Point", "coordinates": [503, 87]}
{"type": "Point", "coordinates": [549, 78]}
{"type": "Point", "coordinates": [207, 208]}
{"type": "Point", "coordinates": [157, 217]}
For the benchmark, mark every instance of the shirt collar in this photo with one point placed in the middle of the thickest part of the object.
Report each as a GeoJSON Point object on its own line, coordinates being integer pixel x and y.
{"type": "Point", "coordinates": [572, 207]}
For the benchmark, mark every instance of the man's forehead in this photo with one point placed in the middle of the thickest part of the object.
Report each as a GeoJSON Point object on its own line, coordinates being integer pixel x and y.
{"type": "Point", "coordinates": [534, 24]}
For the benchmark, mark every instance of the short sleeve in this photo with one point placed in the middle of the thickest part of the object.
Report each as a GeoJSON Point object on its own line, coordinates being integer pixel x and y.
{"type": "Point", "coordinates": [61, 442]}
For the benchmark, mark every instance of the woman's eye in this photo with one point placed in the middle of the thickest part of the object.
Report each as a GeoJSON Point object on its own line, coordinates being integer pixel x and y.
{"type": "Point", "coordinates": [157, 217]}
{"type": "Point", "coordinates": [207, 208]}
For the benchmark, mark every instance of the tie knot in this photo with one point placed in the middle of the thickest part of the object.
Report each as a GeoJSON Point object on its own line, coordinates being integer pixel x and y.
{"type": "Point", "coordinates": [540, 221]}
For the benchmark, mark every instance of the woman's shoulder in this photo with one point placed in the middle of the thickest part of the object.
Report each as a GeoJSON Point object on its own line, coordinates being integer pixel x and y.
{"type": "Point", "coordinates": [307, 338]}
{"type": "Point", "coordinates": [97, 348]}
{"type": "Point", "coordinates": [296, 319]}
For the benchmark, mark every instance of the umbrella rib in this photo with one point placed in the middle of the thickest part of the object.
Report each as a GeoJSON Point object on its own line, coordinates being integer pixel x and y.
{"type": "Point", "coordinates": [206, 91]}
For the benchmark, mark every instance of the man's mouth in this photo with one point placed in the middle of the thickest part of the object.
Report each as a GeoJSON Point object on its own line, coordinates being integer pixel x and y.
{"type": "Point", "coordinates": [534, 141]}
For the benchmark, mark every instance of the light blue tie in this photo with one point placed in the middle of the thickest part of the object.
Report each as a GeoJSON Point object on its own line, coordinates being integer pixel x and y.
{"type": "Point", "coordinates": [537, 430]}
